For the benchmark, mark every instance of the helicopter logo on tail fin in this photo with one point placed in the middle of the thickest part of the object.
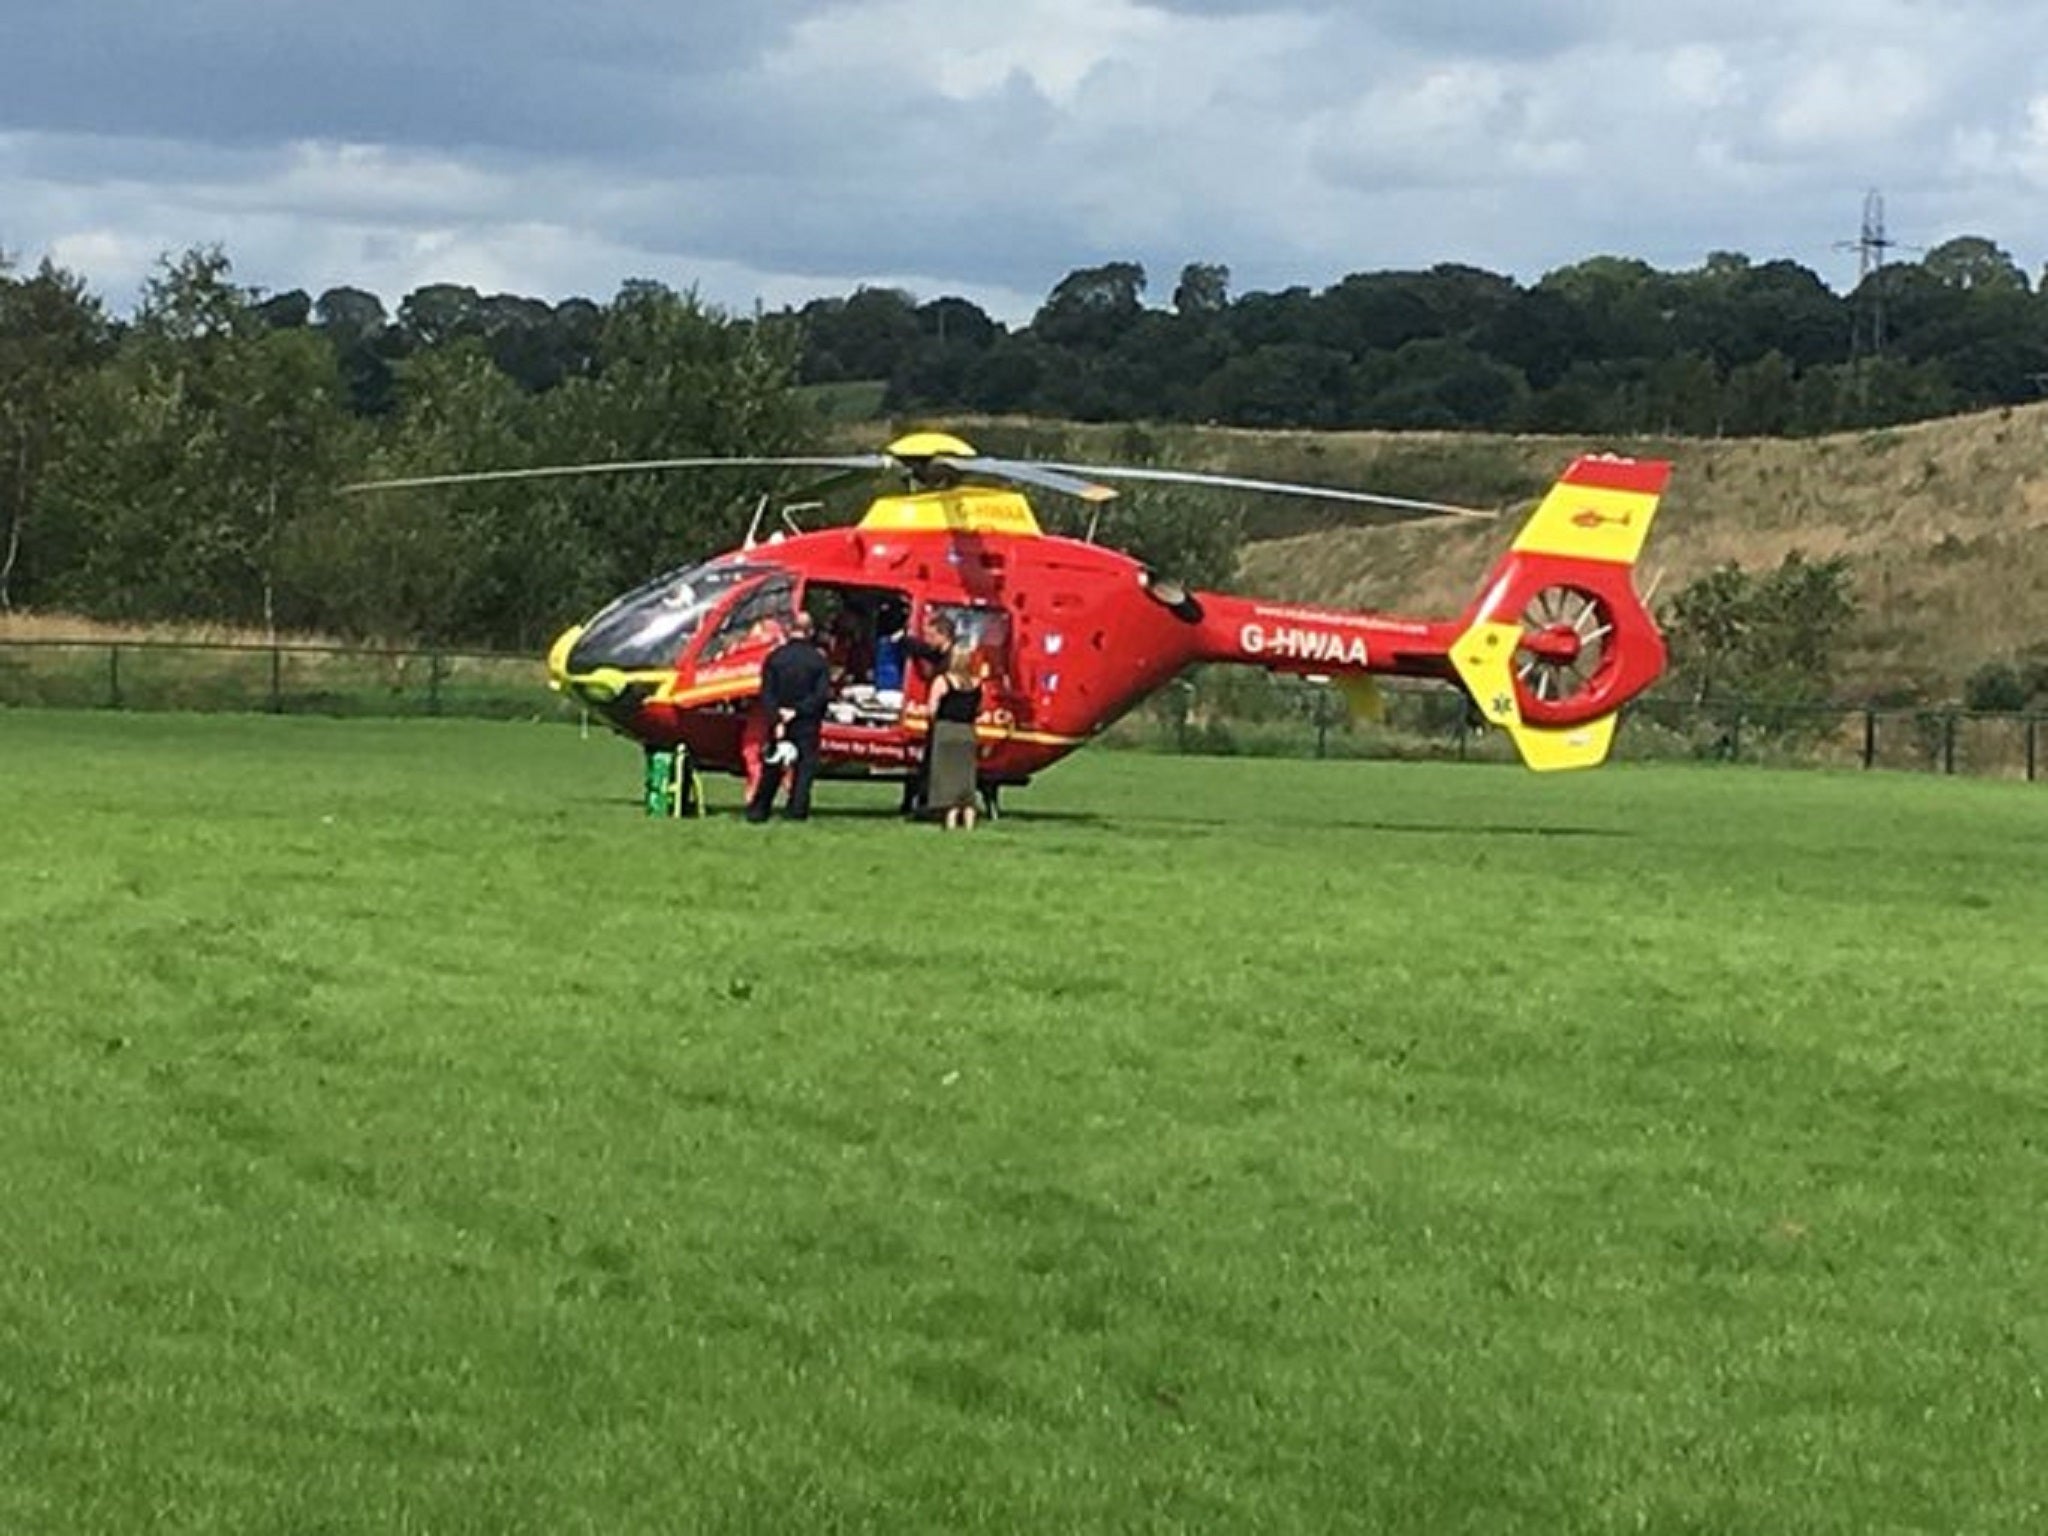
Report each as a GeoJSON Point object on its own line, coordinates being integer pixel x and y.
{"type": "Point", "coordinates": [1592, 517]}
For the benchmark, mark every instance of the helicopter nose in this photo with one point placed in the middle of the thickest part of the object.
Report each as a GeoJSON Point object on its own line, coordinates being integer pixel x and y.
{"type": "Point", "coordinates": [587, 677]}
{"type": "Point", "coordinates": [558, 656]}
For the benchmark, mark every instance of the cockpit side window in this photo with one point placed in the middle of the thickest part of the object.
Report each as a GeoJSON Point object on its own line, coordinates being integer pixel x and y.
{"type": "Point", "coordinates": [650, 625]}
{"type": "Point", "coordinates": [757, 621]}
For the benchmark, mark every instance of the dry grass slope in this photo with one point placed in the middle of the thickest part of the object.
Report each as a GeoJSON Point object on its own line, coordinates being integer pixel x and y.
{"type": "Point", "coordinates": [1942, 521]}
{"type": "Point", "coordinates": [51, 626]}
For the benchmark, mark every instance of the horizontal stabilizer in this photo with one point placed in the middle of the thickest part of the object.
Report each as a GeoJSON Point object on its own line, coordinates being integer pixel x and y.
{"type": "Point", "coordinates": [1484, 658]}
{"type": "Point", "coordinates": [1362, 696]}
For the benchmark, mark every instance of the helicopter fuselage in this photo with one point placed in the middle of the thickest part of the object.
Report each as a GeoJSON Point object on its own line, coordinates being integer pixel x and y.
{"type": "Point", "coordinates": [1067, 636]}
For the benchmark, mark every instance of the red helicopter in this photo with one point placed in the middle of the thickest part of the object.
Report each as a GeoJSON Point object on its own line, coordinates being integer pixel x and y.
{"type": "Point", "coordinates": [1069, 634]}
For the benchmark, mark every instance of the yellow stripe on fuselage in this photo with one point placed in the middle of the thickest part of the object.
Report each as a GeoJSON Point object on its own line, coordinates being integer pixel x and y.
{"type": "Point", "coordinates": [705, 693]}
{"type": "Point", "coordinates": [1002, 733]}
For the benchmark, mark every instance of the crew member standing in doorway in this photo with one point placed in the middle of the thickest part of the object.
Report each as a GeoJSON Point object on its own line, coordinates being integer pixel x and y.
{"type": "Point", "coordinates": [931, 650]}
{"type": "Point", "coordinates": [796, 685]}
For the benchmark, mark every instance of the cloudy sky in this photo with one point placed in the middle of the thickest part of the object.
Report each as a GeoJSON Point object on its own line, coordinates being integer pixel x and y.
{"type": "Point", "coordinates": [777, 150]}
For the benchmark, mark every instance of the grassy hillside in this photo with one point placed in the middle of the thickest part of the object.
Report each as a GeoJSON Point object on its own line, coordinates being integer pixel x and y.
{"type": "Point", "coordinates": [1941, 520]}
{"type": "Point", "coordinates": [1941, 523]}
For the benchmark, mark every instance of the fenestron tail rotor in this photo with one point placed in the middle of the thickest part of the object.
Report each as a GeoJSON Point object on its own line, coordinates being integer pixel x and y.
{"type": "Point", "coordinates": [1565, 635]}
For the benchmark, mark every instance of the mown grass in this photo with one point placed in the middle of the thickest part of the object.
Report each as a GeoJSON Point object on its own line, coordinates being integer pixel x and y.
{"type": "Point", "coordinates": [402, 1133]}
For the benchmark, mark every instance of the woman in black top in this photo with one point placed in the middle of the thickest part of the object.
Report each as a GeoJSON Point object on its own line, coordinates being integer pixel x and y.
{"type": "Point", "coordinates": [955, 702]}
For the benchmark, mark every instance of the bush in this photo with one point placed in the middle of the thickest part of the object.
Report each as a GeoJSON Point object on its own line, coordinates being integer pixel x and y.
{"type": "Point", "coordinates": [1997, 687]}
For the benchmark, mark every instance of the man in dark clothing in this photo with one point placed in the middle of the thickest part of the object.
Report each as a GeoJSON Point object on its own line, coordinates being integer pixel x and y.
{"type": "Point", "coordinates": [796, 685]}
{"type": "Point", "coordinates": [931, 650]}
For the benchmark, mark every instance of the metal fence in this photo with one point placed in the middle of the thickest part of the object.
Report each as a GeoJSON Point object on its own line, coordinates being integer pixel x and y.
{"type": "Point", "coordinates": [275, 679]}
{"type": "Point", "coordinates": [1213, 711]}
{"type": "Point", "coordinates": [1287, 717]}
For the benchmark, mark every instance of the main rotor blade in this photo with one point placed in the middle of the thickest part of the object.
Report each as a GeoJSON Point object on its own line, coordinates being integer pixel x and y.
{"type": "Point", "coordinates": [868, 461]}
{"type": "Point", "coordinates": [1047, 477]}
{"type": "Point", "coordinates": [1403, 504]}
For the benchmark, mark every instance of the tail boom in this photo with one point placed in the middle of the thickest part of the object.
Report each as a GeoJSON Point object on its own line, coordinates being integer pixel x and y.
{"type": "Point", "coordinates": [1555, 643]}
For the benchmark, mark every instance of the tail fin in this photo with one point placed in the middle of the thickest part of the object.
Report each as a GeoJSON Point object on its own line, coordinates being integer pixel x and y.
{"type": "Point", "coordinates": [1558, 640]}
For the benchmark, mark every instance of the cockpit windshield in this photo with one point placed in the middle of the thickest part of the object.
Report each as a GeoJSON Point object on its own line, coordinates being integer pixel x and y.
{"type": "Point", "coordinates": [650, 625]}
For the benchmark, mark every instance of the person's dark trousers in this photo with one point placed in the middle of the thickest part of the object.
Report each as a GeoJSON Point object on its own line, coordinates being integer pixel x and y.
{"type": "Point", "coordinates": [765, 792]}
{"type": "Point", "coordinates": [915, 781]}
{"type": "Point", "coordinates": [805, 735]}
{"type": "Point", "coordinates": [806, 770]}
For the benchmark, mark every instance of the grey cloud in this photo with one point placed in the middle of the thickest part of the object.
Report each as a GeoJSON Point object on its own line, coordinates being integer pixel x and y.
{"type": "Point", "coordinates": [645, 137]}
{"type": "Point", "coordinates": [586, 78]}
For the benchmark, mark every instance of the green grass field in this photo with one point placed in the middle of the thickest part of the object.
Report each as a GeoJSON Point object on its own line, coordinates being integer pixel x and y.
{"type": "Point", "coordinates": [401, 1133]}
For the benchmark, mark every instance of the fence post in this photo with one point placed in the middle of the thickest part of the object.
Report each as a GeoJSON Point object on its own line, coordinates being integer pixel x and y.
{"type": "Point", "coordinates": [276, 680]}
{"type": "Point", "coordinates": [1322, 720]}
{"type": "Point", "coordinates": [1948, 742]}
{"type": "Point", "coordinates": [2033, 743]}
{"type": "Point", "coordinates": [1869, 737]}
{"type": "Point", "coordinates": [434, 683]}
{"type": "Point", "coordinates": [113, 677]}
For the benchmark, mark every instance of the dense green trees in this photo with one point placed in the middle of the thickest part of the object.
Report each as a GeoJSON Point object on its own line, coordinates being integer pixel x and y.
{"type": "Point", "coordinates": [1606, 345]}
{"type": "Point", "coordinates": [186, 461]}
{"type": "Point", "coordinates": [52, 333]}
{"type": "Point", "coordinates": [189, 463]}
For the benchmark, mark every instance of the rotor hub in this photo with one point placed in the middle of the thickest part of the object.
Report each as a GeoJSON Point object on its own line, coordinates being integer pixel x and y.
{"type": "Point", "coordinates": [1559, 645]}
{"type": "Point", "coordinates": [1565, 651]}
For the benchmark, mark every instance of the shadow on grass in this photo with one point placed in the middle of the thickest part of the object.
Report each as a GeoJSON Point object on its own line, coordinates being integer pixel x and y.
{"type": "Point", "coordinates": [1480, 829]}
{"type": "Point", "coordinates": [879, 813]}
{"type": "Point", "coordinates": [1486, 829]}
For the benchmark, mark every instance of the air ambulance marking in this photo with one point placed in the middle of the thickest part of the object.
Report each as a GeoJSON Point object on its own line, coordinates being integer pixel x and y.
{"type": "Point", "coordinates": [1288, 643]}
{"type": "Point", "coordinates": [1590, 518]}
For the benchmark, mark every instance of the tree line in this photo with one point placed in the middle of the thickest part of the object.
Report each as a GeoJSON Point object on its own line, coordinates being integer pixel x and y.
{"type": "Point", "coordinates": [185, 461]}
{"type": "Point", "coordinates": [1605, 346]}
{"type": "Point", "coordinates": [189, 462]}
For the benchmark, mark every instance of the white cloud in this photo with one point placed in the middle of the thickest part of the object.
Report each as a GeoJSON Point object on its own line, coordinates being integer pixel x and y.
{"type": "Point", "coordinates": [966, 51]}
{"type": "Point", "coordinates": [1841, 102]}
{"type": "Point", "coordinates": [2031, 150]}
{"type": "Point", "coordinates": [1702, 75]}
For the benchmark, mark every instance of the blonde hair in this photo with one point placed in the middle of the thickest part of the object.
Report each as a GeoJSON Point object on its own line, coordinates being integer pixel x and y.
{"type": "Point", "coordinates": [960, 668]}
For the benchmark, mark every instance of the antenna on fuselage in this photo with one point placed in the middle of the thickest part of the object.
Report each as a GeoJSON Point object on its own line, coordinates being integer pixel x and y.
{"type": "Point", "coordinates": [754, 527]}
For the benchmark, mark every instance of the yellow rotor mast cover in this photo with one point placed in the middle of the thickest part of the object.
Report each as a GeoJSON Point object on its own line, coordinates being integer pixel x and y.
{"type": "Point", "coordinates": [947, 508]}
{"type": "Point", "coordinates": [929, 445]}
